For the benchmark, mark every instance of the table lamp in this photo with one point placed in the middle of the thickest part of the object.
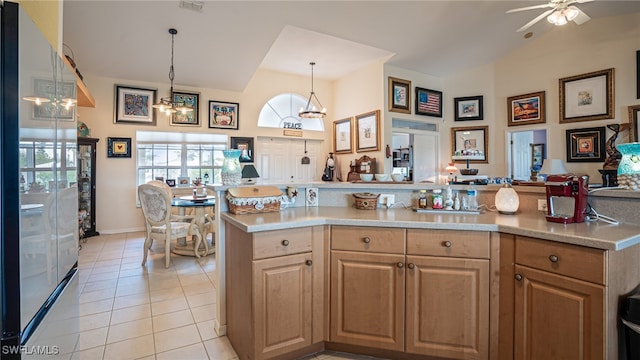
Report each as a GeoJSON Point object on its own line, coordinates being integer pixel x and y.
{"type": "Point", "coordinates": [249, 174]}
{"type": "Point", "coordinates": [552, 167]}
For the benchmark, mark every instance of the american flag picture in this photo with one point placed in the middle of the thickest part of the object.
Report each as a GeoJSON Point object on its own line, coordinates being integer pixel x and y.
{"type": "Point", "coordinates": [428, 102]}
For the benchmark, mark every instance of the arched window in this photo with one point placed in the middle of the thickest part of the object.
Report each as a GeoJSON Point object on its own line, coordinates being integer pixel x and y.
{"type": "Point", "coordinates": [281, 111]}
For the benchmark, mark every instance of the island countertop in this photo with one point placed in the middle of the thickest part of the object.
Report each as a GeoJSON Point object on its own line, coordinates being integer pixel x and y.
{"type": "Point", "coordinates": [598, 234]}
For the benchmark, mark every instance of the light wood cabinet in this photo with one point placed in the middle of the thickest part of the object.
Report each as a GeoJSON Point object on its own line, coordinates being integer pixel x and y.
{"type": "Point", "coordinates": [275, 297]}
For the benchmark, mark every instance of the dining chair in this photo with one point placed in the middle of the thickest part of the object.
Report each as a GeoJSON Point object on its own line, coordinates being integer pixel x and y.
{"type": "Point", "coordinates": [156, 208]}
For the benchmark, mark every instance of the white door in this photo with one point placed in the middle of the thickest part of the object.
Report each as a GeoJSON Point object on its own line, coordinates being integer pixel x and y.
{"type": "Point", "coordinates": [280, 160]}
{"type": "Point", "coordinates": [425, 157]}
{"type": "Point", "coordinates": [521, 154]}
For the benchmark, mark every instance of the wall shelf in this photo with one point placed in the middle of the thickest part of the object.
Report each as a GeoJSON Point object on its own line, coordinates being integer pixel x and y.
{"type": "Point", "coordinates": [84, 96]}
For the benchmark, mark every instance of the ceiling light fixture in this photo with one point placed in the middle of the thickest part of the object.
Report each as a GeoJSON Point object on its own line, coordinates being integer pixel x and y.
{"type": "Point", "coordinates": [310, 111]}
{"type": "Point", "coordinates": [562, 16]}
{"type": "Point", "coordinates": [167, 105]}
{"type": "Point", "coordinates": [49, 94]}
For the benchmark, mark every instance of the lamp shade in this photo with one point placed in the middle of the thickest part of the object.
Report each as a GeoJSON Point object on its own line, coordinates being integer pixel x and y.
{"type": "Point", "coordinates": [249, 172]}
{"type": "Point", "coordinates": [553, 166]}
{"type": "Point", "coordinates": [507, 200]}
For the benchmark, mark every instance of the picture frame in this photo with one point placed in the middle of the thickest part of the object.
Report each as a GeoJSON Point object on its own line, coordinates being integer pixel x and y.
{"type": "Point", "coordinates": [399, 95]}
{"type": "Point", "coordinates": [470, 140]}
{"type": "Point", "coordinates": [343, 136]}
{"type": "Point", "coordinates": [246, 145]}
{"type": "Point", "coordinates": [223, 115]}
{"type": "Point", "coordinates": [428, 102]}
{"type": "Point", "coordinates": [638, 74]}
{"type": "Point", "coordinates": [191, 118]}
{"type": "Point", "coordinates": [368, 131]}
{"type": "Point", "coordinates": [118, 147]}
{"type": "Point", "coordinates": [538, 154]}
{"type": "Point", "coordinates": [183, 181]}
{"type": "Point", "coordinates": [526, 109]}
{"type": "Point", "coordinates": [171, 182]}
{"type": "Point", "coordinates": [134, 105]}
{"type": "Point", "coordinates": [49, 110]}
{"type": "Point", "coordinates": [468, 108]}
{"type": "Point", "coordinates": [634, 131]}
{"type": "Point", "coordinates": [587, 97]}
{"type": "Point", "coordinates": [586, 144]}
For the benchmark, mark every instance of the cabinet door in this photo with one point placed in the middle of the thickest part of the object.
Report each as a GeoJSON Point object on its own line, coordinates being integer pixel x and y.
{"type": "Point", "coordinates": [367, 299]}
{"type": "Point", "coordinates": [448, 307]}
{"type": "Point", "coordinates": [282, 304]}
{"type": "Point", "coordinates": [557, 317]}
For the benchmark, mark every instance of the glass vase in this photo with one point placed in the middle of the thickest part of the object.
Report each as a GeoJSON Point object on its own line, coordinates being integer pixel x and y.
{"type": "Point", "coordinates": [231, 172]}
{"type": "Point", "coordinates": [629, 167]}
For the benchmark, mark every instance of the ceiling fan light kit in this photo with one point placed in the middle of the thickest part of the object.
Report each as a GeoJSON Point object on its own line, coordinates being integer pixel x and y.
{"type": "Point", "coordinates": [166, 104]}
{"type": "Point", "coordinates": [560, 13]}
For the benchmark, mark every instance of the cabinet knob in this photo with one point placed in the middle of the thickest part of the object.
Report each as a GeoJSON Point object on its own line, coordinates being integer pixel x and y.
{"type": "Point", "coordinates": [308, 262]}
{"type": "Point", "coordinates": [518, 277]}
{"type": "Point", "coordinates": [285, 242]}
{"type": "Point", "coordinates": [446, 243]}
{"type": "Point", "coordinates": [366, 240]}
{"type": "Point", "coordinates": [553, 258]}
{"type": "Point", "coordinates": [411, 265]}
{"type": "Point", "coordinates": [400, 265]}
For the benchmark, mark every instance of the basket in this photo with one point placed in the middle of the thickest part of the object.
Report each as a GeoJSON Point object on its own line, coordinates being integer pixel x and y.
{"type": "Point", "coordinates": [366, 201]}
{"type": "Point", "coordinates": [254, 200]}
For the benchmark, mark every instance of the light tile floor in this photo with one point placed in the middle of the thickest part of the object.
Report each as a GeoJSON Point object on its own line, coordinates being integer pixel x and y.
{"type": "Point", "coordinates": [128, 311]}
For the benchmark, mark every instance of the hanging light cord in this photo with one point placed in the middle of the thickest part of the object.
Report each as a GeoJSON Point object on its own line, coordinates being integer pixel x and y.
{"type": "Point", "coordinates": [171, 72]}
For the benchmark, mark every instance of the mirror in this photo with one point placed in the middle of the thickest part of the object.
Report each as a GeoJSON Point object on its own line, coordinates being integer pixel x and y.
{"type": "Point", "coordinates": [527, 149]}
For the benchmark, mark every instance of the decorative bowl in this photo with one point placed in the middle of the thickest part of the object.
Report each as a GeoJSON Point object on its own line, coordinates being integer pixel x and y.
{"type": "Point", "coordinates": [397, 177]}
{"type": "Point", "coordinates": [382, 177]}
{"type": "Point", "coordinates": [366, 177]}
{"type": "Point", "coordinates": [469, 171]}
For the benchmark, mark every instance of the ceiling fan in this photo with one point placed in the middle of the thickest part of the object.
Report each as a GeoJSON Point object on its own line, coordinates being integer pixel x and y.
{"type": "Point", "coordinates": [560, 12]}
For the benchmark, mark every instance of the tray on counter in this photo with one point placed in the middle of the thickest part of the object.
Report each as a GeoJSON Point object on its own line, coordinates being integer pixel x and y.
{"type": "Point", "coordinates": [448, 212]}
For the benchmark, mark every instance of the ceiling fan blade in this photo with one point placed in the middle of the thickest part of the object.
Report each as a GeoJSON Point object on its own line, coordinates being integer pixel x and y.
{"type": "Point", "coordinates": [583, 1]}
{"type": "Point", "coordinates": [529, 8]}
{"type": "Point", "coordinates": [581, 18]}
{"type": "Point", "coordinates": [540, 17]}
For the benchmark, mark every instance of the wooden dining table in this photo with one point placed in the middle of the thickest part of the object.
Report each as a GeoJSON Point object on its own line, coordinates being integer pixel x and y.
{"type": "Point", "coordinates": [201, 219]}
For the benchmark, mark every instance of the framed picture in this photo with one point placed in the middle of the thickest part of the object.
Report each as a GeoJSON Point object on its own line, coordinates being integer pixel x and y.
{"type": "Point", "coordinates": [171, 182]}
{"type": "Point", "coordinates": [638, 74]}
{"type": "Point", "coordinates": [223, 115]}
{"type": "Point", "coordinates": [468, 108]}
{"type": "Point", "coordinates": [537, 155]}
{"type": "Point", "coordinates": [634, 131]}
{"type": "Point", "coordinates": [134, 105]}
{"type": "Point", "coordinates": [526, 109]}
{"type": "Point", "coordinates": [399, 95]}
{"type": "Point", "coordinates": [472, 141]}
{"type": "Point", "coordinates": [183, 181]}
{"type": "Point", "coordinates": [428, 102]}
{"type": "Point", "coordinates": [587, 97]}
{"type": "Point", "coordinates": [49, 110]}
{"type": "Point", "coordinates": [118, 147]}
{"type": "Point", "coordinates": [342, 138]}
{"type": "Point", "coordinates": [191, 118]}
{"type": "Point", "coordinates": [368, 131]}
{"type": "Point", "coordinates": [246, 145]}
{"type": "Point", "coordinates": [585, 145]}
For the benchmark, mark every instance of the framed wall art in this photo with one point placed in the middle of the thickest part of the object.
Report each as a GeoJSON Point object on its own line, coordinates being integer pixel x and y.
{"type": "Point", "coordinates": [45, 88]}
{"type": "Point", "coordinates": [585, 145]}
{"type": "Point", "coordinates": [223, 115]}
{"type": "Point", "coordinates": [468, 108]}
{"type": "Point", "coordinates": [428, 102]}
{"type": "Point", "coordinates": [399, 95]}
{"type": "Point", "coordinates": [638, 74]}
{"type": "Point", "coordinates": [537, 155]}
{"type": "Point", "coordinates": [471, 141]}
{"type": "Point", "coordinates": [368, 131]}
{"type": "Point", "coordinates": [526, 109]}
{"type": "Point", "coordinates": [118, 147]}
{"type": "Point", "coordinates": [342, 136]}
{"type": "Point", "coordinates": [245, 144]}
{"type": "Point", "coordinates": [587, 97]}
{"type": "Point", "coordinates": [191, 118]}
{"type": "Point", "coordinates": [134, 105]}
{"type": "Point", "coordinates": [634, 131]}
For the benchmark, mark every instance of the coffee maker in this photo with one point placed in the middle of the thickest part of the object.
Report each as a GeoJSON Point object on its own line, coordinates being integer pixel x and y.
{"type": "Point", "coordinates": [567, 197]}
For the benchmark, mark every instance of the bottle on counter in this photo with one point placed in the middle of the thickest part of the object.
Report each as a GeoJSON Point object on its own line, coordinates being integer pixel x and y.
{"type": "Point", "coordinates": [472, 199]}
{"type": "Point", "coordinates": [456, 202]}
{"type": "Point", "coordinates": [422, 200]}
{"type": "Point", "coordinates": [448, 199]}
{"type": "Point", "coordinates": [437, 199]}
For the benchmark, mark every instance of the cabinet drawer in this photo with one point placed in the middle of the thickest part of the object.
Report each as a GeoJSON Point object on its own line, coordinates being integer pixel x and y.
{"type": "Point", "coordinates": [453, 243]}
{"type": "Point", "coordinates": [370, 239]}
{"type": "Point", "coordinates": [571, 260]}
{"type": "Point", "coordinates": [281, 242]}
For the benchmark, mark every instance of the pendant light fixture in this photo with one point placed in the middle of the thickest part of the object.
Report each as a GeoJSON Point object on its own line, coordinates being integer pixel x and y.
{"type": "Point", "coordinates": [167, 105]}
{"type": "Point", "coordinates": [53, 93]}
{"type": "Point", "coordinates": [310, 111]}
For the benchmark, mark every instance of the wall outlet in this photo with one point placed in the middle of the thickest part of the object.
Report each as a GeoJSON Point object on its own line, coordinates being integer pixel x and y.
{"type": "Point", "coordinates": [386, 199]}
{"type": "Point", "coordinates": [542, 205]}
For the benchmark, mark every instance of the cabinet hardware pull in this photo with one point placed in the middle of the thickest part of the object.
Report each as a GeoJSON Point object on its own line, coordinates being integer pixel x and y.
{"type": "Point", "coordinates": [400, 265]}
{"type": "Point", "coordinates": [285, 242]}
{"type": "Point", "coordinates": [308, 262]}
{"type": "Point", "coordinates": [553, 258]}
{"type": "Point", "coordinates": [411, 265]}
{"type": "Point", "coordinates": [366, 240]}
{"type": "Point", "coordinates": [446, 243]}
{"type": "Point", "coordinates": [518, 277]}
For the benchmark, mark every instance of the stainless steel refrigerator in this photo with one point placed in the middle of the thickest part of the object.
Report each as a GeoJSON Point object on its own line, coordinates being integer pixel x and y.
{"type": "Point", "coordinates": [38, 197]}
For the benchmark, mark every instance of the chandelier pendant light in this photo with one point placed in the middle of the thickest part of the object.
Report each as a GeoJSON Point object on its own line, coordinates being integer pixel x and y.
{"type": "Point", "coordinates": [166, 104]}
{"type": "Point", "coordinates": [310, 111]}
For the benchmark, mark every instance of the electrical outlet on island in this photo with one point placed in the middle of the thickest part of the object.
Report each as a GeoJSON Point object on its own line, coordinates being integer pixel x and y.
{"type": "Point", "coordinates": [542, 205]}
